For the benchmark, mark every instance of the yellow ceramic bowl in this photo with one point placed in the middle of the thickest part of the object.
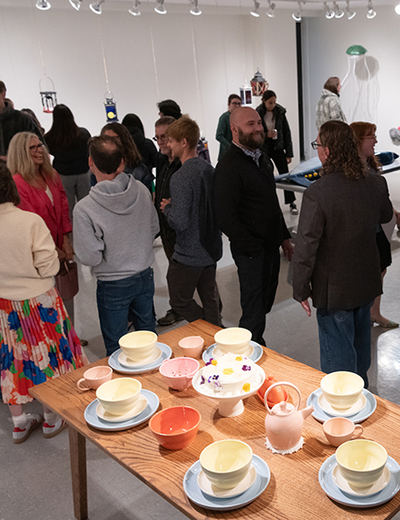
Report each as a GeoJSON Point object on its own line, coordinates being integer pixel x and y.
{"type": "Point", "coordinates": [139, 345]}
{"type": "Point", "coordinates": [361, 462]}
{"type": "Point", "coordinates": [226, 463]}
{"type": "Point", "coordinates": [233, 339]}
{"type": "Point", "coordinates": [119, 396]}
{"type": "Point", "coordinates": [342, 389]}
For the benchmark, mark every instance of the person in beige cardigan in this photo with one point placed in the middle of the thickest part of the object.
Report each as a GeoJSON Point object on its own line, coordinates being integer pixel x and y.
{"type": "Point", "coordinates": [37, 339]}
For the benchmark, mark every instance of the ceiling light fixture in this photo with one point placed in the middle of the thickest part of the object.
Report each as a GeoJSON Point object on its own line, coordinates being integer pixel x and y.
{"type": "Point", "coordinates": [159, 8]}
{"type": "Point", "coordinates": [195, 10]}
{"type": "Point", "coordinates": [328, 12]}
{"type": "Point", "coordinates": [338, 12]}
{"type": "Point", "coordinates": [271, 9]}
{"type": "Point", "coordinates": [350, 14]}
{"type": "Point", "coordinates": [255, 12]}
{"type": "Point", "coordinates": [371, 13]}
{"type": "Point", "coordinates": [135, 9]}
{"type": "Point", "coordinates": [76, 4]}
{"type": "Point", "coordinates": [397, 9]}
{"type": "Point", "coordinates": [43, 5]}
{"type": "Point", "coordinates": [96, 6]}
{"type": "Point", "coordinates": [298, 15]}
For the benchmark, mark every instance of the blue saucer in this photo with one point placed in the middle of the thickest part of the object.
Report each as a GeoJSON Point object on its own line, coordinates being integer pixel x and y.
{"type": "Point", "coordinates": [328, 485]}
{"type": "Point", "coordinates": [320, 415]}
{"type": "Point", "coordinates": [255, 356]}
{"type": "Point", "coordinates": [197, 496]}
{"type": "Point", "coordinates": [115, 364]}
{"type": "Point", "coordinates": [94, 420]}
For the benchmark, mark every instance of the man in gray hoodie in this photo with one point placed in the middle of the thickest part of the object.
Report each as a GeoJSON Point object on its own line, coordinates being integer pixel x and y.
{"type": "Point", "coordinates": [114, 229]}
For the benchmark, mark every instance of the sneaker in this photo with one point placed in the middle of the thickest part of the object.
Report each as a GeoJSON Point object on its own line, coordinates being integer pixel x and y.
{"type": "Point", "coordinates": [50, 431]}
{"type": "Point", "coordinates": [293, 209]}
{"type": "Point", "coordinates": [84, 342]}
{"type": "Point", "coordinates": [170, 318]}
{"type": "Point", "coordinates": [33, 420]}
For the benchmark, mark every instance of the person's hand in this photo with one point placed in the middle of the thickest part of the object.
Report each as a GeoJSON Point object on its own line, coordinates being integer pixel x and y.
{"type": "Point", "coordinates": [287, 249]}
{"type": "Point", "coordinates": [288, 160]}
{"type": "Point", "coordinates": [306, 307]}
{"type": "Point", "coordinates": [164, 203]}
{"type": "Point", "coordinates": [68, 249]}
{"type": "Point", "coordinates": [271, 134]}
{"type": "Point", "coordinates": [61, 255]}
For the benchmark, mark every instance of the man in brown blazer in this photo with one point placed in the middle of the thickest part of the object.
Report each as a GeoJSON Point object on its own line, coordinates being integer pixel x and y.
{"type": "Point", "coordinates": [336, 259]}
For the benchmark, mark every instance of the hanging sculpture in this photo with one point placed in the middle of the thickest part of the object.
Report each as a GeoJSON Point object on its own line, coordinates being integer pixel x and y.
{"type": "Point", "coordinates": [111, 107]}
{"type": "Point", "coordinates": [259, 84]}
{"type": "Point", "coordinates": [49, 97]}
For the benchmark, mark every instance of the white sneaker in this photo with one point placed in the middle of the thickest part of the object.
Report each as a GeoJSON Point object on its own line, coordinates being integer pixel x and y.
{"type": "Point", "coordinates": [33, 420]}
{"type": "Point", "coordinates": [50, 431]}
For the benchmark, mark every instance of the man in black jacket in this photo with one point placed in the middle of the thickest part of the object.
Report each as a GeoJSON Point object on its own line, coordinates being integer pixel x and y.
{"type": "Point", "coordinates": [249, 214]}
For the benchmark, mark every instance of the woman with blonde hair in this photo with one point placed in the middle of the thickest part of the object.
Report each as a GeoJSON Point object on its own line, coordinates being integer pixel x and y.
{"type": "Point", "coordinates": [366, 141]}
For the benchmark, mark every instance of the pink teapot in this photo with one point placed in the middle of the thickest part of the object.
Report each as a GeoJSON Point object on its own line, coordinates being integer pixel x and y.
{"type": "Point", "coordinates": [284, 422]}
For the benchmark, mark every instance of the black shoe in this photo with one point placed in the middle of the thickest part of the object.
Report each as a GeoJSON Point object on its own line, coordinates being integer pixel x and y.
{"type": "Point", "coordinates": [293, 209]}
{"type": "Point", "coordinates": [170, 318]}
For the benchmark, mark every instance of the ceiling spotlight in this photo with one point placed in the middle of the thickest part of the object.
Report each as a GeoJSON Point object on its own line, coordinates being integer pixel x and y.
{"type": "Point", "coordinates": [338, 12]}
{"type": "Point", "coordinates": [76, 4]}
{"type": "Point", "coordinates": [255, 12]}
{"type": "Point", "coordinates": [135, 9]}
{"type": "Point", "coordinates": [195, 10]}
{"type": "Point", "coordinates": [96, 6]}
{"type": "Point", "coordinates": [298, 15]}
{"type": "Point", "coordinates": [270, 10]}
{"type": "Point", "coordinates": [397, 9]}
{"type": "Point", "coordinates": [350, 14]}
{"type": "Point", "coordinates": [159, 8]}
{"type": "Point", "coordinates": [328, 12]}
{"type": "Point", "coordinates": [43, 5]}
{"type": "Point", "coordinates": [371, 13]}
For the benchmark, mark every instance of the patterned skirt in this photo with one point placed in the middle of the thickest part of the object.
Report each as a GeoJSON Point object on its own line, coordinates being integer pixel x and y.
{"type": "Point", "coordinates": [38, 342]}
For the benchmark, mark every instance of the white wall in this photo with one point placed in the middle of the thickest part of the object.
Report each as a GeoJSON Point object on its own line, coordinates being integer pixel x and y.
{"type": "Point", "coordinates": [198, 61]}
{"type": "Point", "coordinates": [325, 44]}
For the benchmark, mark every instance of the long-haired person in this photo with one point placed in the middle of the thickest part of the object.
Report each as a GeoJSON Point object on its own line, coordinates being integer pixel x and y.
{"type": "Point", "coordinates": [146, 147]}
{"type": "Point", "coordinates": [68, 143]}
{"type": "Point", "coordinates": [36, 337]}
{"type": "Point", "coordinates": [329, 107]}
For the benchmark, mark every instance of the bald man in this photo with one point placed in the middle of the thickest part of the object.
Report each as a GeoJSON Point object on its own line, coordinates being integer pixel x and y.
{"type": "Point", "coordinates": [249, 214]}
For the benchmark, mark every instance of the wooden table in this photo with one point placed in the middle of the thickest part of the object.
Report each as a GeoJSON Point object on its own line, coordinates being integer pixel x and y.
{"type": "Point", "coordinates": [293, 492]}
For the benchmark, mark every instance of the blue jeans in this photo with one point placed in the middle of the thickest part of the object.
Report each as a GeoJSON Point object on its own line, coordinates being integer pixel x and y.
{"type": "Point", "coordinates": [345, 340]}
{"type": "Point", "coordinates": [116, 299]}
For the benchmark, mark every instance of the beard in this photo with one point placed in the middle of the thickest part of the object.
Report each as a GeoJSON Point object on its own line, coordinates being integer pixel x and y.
{"type": "Point", "coordinates": [253, 141]}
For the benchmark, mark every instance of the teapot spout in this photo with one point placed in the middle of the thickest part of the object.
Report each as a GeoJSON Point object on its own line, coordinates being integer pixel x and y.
{"type": "Point", "coordinates": [306, 411]}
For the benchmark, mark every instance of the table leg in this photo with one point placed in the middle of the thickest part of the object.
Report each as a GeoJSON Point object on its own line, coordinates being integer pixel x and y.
{"type": "Point", "coordinates": [77, 451]}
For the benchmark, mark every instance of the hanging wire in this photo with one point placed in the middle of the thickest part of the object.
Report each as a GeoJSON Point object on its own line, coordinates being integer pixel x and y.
{"type": "Point", "coordinates": [196, 74]}
{"type": "Point", "coordinates": [103, 54]}
{"type": "Point", "coordinates": [38, 37]}
{"type": "Point", "coordinates": [244, 42]}
{"type": "Point", "coordinates": [222, 45]}
{"type": "Point", "coordinates": [154, 61]}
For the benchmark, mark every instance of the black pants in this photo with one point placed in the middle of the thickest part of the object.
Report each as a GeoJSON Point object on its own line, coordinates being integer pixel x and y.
{"type": "Point", "coordinates": [280, 162]}
{"type": "Point", "coordinates": [258, 279]}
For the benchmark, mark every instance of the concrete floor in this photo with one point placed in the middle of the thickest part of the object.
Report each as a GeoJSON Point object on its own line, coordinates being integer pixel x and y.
{"type": "Point", "coordinates": [35, 480]}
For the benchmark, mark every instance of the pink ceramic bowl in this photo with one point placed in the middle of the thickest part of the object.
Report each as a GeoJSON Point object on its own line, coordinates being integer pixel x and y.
{"type": "Point", "coordinates": [176, 427]}
{"type": "Point", "coordinates": [192, 346]}
{"type": "Point", "coordinates": [178, 372]}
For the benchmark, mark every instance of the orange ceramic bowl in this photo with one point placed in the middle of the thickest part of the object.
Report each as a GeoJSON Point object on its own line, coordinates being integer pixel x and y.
{"type": "Point", "coordinates": [277, 395]}
{"type": "Point", "coordinates": [176, 427]}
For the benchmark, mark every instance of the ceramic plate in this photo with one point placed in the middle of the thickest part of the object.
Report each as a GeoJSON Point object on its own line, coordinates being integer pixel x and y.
{"type": "Point", "coordinates": [124, 360]}
{"type": "Point", "coordinates": [343, 484]}
{"type": "Point", "coordinates": [207, 487]}
{"type": "Point", "coordinates": [217, 352]}
{"type": "Point", "coordinates": [114, 363]}
{"type": "Point", "coordinates": [331, 489]}
{"type": "Point", "coordinates": [357, 407]}
{"type": "Point", "coordinates": [136, 410]}
{"type": "Point", "coordinates": [255, 356]}
{"type": "Point", "coordinates": [197, 496]}
{"type": "Point", "coordinates": [322, 416]}
{"type": "Point", "coordinates": [94, 420]}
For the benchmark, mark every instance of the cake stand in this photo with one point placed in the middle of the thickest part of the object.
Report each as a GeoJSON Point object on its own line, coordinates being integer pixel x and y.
{"type": "Point", "coordinates": [232, 405]}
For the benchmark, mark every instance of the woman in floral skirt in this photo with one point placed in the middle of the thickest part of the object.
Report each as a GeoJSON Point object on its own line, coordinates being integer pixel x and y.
{"type": "Point", "coordinates": [37, 339]}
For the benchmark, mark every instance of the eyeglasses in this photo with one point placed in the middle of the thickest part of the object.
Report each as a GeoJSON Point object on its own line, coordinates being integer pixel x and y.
{"type": "Point", "coordinates": [315, 145]}
{"type": "Point", "coordinates": [370, 137]}
{"type": "Point", "coordinates": [236, 103]}
{"type": "Point", "coordinates": [36, 147]}
{"type": "Point", "coordinates": [160, 138]}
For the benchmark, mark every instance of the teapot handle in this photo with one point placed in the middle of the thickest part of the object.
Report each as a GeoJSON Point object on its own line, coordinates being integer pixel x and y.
{"type": "Point", "coordinates": [286, 383]}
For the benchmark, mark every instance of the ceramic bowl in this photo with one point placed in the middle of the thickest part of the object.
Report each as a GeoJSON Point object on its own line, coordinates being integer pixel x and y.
{"type": "Point", "coordinates": [139, 345]}
{"type": "Point", "coordinates": [277, 394]}
{"type": "Point", "coordinates": [176, 427]}
{"type": "Point", "coordinates": [119, 396]}
{"type": "Point", "coordinates": [192, 346]}
{"type": "Point", "coordinates": [233, 339]}
{"type": "Point", "coordinates": [94, 377]}
{"type": "Point", "coordinates": [178, 372]}
{"type": "Point", "coordinates": [361, 462]}
{"type": "Point", "coordinates": [226, 463]}
{"type": "Point", "coordinates": [342, 389]}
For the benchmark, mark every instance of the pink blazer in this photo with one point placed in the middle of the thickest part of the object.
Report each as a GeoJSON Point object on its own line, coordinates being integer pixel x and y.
{"type": "Point", "coordinates": [36, 201]}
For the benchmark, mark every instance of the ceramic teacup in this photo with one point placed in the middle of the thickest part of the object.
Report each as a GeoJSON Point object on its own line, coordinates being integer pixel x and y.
{"type": "Point", "coordinates": [119, 396]}
{"type": "Point", "coordinates": [233, 339]}
{"type": "Point", "coordinates": [192, 346]}
{"type": "Point", "coordinates": [361, 462]}
{"type": "Point", "coordinates": [342, 389]}
{"type": "Point", "coordinates": [93, 378]}
{"type": "Point", "coordinates": [138, 345]}
{"type": "Point", "coordinates": [339, 430]}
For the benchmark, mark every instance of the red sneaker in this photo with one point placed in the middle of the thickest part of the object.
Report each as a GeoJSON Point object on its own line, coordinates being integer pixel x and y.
{"type": "Point", "coordinates": [33, 420]}
{"type": "Point", "coordinates": [50, 431]}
